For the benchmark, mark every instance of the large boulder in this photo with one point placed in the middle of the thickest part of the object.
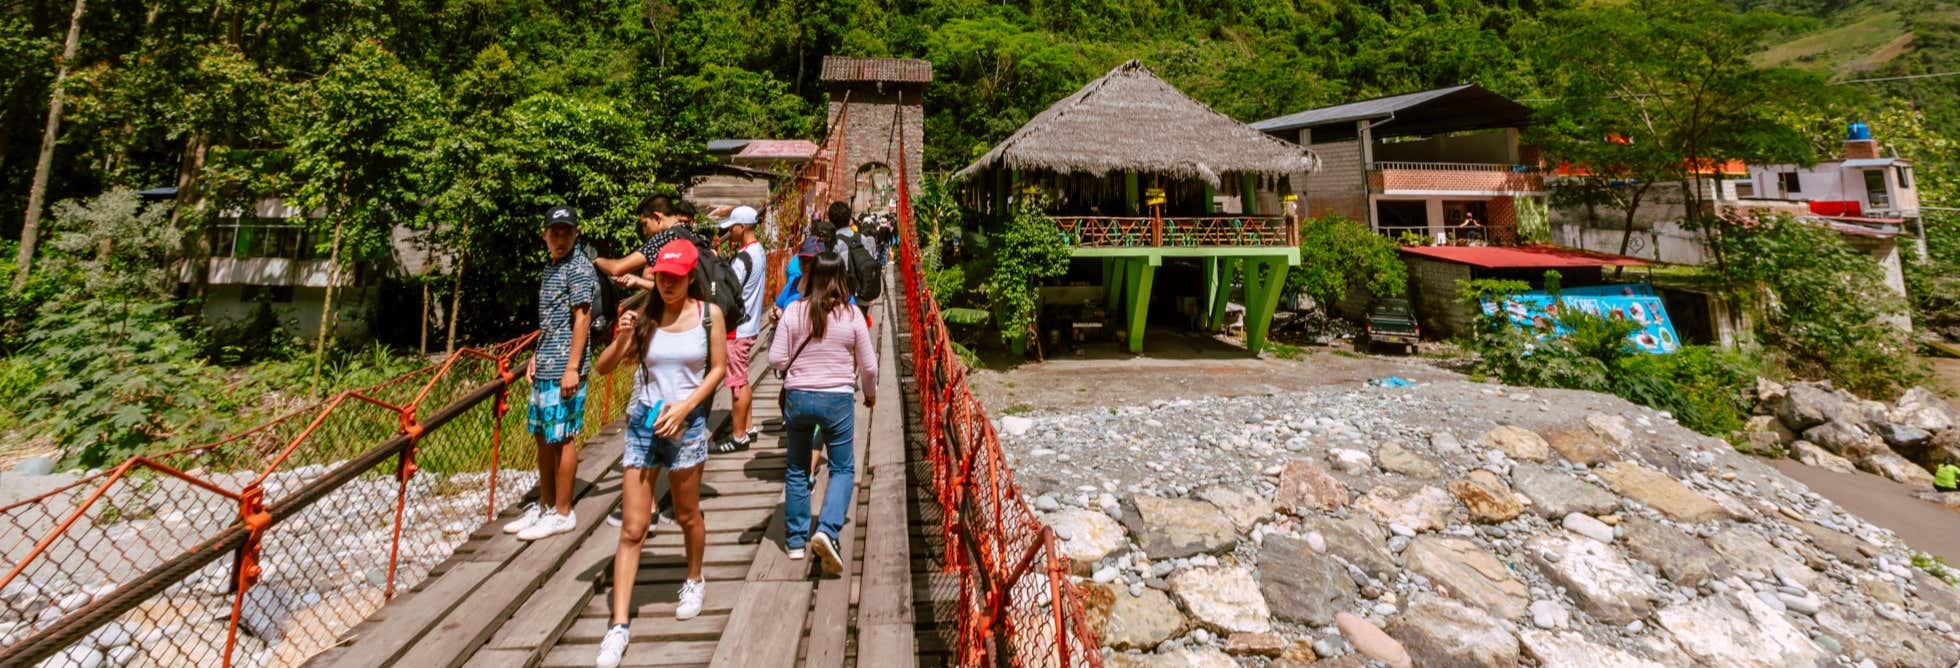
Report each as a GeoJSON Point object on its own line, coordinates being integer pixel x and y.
{"type": "Point", "coordinates": [1439, 632]}
{"type": "Point", "coordinates": [1173, 528]}
{"type": "Point", "coordinates": [1580, 446]}
{"type": "Point", "coordinates": [1571, 650]}
{"type": "Point", "coordinates": [1845, 438]}
{"type": "Point", "coordinates": [1356, 539]}
{"type": "Point", "coordinates": [1226, 600]}
{"type": "Point", "coordinates": [1245, 507]}
{"type": "Point", "coordinates": [1087, 536]}
{"type": "Point", "coordinates": [1748, 550]}
{"type": "Point", "coordinates": [1899, 469]}
{"type": "Point", "coordinates": [1305, 486]}
{"type": "Point", "coordinates": [1920, 409]}
{"type": "Point", "coordinates": [1301, 585]}
{"type": "Point", "coordinates": [1518, 443]}
{"type": "Point", "coordinates": [1683, 558]}
{"type": "Point", "coordinates": [1555, 494]}
{"type": "Point", "coordinates": [1467, 572]}
{"type": "Point", "coordinates": [1805, 405]}
{"type": "Point", "coordinates": [1603, 583]}
{"type": "Point", "coordinates": [1396, 459]}
{"type": "Point", "coordinates": [1887, 642]}
{"type": "Point", "coordinates": [1134, 622]}
{"type": "Point", "coordinates": [1486, 496]}
{"type": "Point", "coordinates": [1810, 455]}
{"type": "Point", "coordinates": [1661, 492]}
{"type": "Point", "coordinates": [1738, 629]}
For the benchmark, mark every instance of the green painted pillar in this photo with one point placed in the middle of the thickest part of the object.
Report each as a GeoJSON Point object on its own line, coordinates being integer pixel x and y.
{"type": "Point", "coordinates": [1222, 291]}
{"type": "Point", "coordinates": [1248, 195]}
{"type": "Point", "coordinates": [1261, 304]}
{"type": "Point", "coordinates": [1208, 207]}
{"type": "Point", "coordinates": [1113, 287]}
{"type": "Point", "coordinates": [1130, 193]}
{"type": "Point", "coordinates": [1001, 187]}
{"type": "Point", "coordinates": [1211, 290]}
{"type": "Point", "coordinates": [1140, 276]}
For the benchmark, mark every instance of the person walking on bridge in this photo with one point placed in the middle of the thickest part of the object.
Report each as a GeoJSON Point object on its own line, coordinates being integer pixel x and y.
{"type": "Point", "coordinates": [566, 291]}
{"type": "Point", "coordinates": [825, 354]}
{"type": "Point", "coordinates": [679, 342]}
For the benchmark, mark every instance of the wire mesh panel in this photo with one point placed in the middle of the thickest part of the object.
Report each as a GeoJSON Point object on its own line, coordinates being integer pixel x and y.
{"type": "Point", "coordinates": [262, 548]}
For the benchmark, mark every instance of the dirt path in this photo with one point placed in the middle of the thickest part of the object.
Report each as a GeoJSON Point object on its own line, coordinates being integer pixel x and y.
{"type": "Point", "coordinates": [1946, 378]}
{"type": "Point", "coordinates": [1926, 526]}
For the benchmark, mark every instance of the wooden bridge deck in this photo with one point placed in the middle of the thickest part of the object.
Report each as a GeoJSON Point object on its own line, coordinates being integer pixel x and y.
{"type": "Point", "coordinates": [502, 602]}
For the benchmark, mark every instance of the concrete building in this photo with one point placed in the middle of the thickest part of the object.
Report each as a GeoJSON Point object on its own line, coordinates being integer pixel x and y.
{"type": "Point", "coordinates": [1421, 163]}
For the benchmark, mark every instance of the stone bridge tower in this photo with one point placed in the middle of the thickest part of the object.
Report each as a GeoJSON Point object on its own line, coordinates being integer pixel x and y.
{"type": "Point", "coordinates": [886, 97]}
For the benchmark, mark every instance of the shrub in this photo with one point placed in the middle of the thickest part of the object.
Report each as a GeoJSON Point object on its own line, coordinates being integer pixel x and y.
{"type": "Point", "coordinates": [1027, 252]}
{"type": "Point", "coordinates": [1337, 253]}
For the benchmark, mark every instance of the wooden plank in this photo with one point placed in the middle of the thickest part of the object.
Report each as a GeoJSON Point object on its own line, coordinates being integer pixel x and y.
{"type": "Point", "coordinates": [885, 594]}
{"type": "Point", "coordinates": [502, 658]}
{"type": "Point", "coordinates": [637, 655]}
{"type": "Point", "coordinates": [705, 627]}
{"type": "Point", "coordinates": [886, 645]}
{"type": "Point", "coordinates": [767, 626]}
{"type": "Point", "coordinates": [830, 614]}
{"type": "Point", "coordinates": [408, 622]}
{"type": "Point", "coordinates": [710, 572]}
{"type": "Point", "coordinates": [657, 601]}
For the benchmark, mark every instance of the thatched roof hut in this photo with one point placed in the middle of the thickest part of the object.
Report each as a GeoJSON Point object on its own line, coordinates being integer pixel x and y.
{"type": "Point", "coordinates": [1131, 121]}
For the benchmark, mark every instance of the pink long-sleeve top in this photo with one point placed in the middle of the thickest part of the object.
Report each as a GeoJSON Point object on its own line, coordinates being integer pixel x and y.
{"type": "Point", "coordinates": [842, 361]}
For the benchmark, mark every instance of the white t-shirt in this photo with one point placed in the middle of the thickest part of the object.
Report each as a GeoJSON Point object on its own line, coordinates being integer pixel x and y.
{"type": "Point", "coordinates": [757, 266]}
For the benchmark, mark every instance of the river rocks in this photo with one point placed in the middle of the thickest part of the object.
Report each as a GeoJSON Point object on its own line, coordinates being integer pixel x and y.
{"type": "Point", "coordinates": [1737, 629]}
{"type": "Point", "coordinates": [1173, 528]}
{"type": "Point", "coordinates": [1015, 426]}
{"type": "Point", "coordinates": [1394, 459]}
{"type": "Point", "coordinates": [1683, 558]}
{"type": "Point", "coordinates": [1809, 454]}
{"type": "Point", "coordinates": [1845, 438]}
{"type": "Point", "coordinates": [1425, 509]}
{"type": "Point", "coordinates": [1571, 650]}
{"type": "Point", "coordinates": [1487, 498]}
{"type": "Point", "coordinates": [1359, 541]}
{"type": "Point", "coordinates": [1223, 599]}
{"type": "Point", "coordinates": [1177, 658]}
{"type": "Point", "coordinates": [1845, 548]}
{"type": "Point", "coordinates": [1885, 641]}
{"type": "Point", "coordinates": [34, 466]}
{"type": "Point", "coordinates": [1585, 525]}
{"type": "Point", "coordinates": [1660, 492]}
{"type": "Point", "coordinates": [1439, 632]}
{"type": "Point", "coordinates": [1304, 486]}
{"type": "Point", "coordinates": [1371, 642]}
{"type": "Point", "coordinates": [1090, 536]}
{"type": "Point", "coordinates": [1748, 550]}
{"type": "Point", "coordinates": [1555, 494]}
{"type": "Point", "coordinates": [1550, 615]}
{"type": "Point", "coordinates": [1920, 409]}
{"type": "Point", "coordinates": [1468, 573]}
{"type": "Point", "coordinates": [1301, 585]}
{"type": "Point", "coordinates": [1518, 443]}
{"type": "Point", "coordinates": [1611, 427]}
{"type": "Point", "coordinates": [1806, 405]}
{"type": "Point", "coordinates": [1604, 584]}
{"type": "Point", "coordinates": [1245, 507]}
{"type": "Point", "coordinates": [1137, 622]}
{"type": "Point", "coordinates": [1579, 446]}
{"type": "Point", "coordinates": [1894, 467]}
{"type": "Point", "coordinates": [1255, 644]}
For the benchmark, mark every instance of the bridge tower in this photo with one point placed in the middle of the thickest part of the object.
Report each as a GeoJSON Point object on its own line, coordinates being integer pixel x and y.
{"type": "Point", "coordinates": [886, 97]}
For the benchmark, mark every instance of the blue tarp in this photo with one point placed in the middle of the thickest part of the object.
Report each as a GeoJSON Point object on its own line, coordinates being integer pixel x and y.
{"type": "Point", "coordinates": [1635, 301]}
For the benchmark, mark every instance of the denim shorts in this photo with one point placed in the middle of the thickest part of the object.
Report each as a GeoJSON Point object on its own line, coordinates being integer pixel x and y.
{"type": "Point", "coordinates": [554, 417]}
{"type": "Point", "coordinates": [647, 451]}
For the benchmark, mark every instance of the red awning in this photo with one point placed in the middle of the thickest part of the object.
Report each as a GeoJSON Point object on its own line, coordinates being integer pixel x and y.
{"type": "Point", "coordinates": [1522, 257]}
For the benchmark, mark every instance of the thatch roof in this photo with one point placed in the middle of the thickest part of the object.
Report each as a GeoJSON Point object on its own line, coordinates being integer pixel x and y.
{"type": "Point", "coordinates": [1130, 120]}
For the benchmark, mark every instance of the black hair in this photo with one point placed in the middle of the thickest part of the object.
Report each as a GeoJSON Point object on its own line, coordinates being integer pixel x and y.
{"type": "Point", "coordinates": [684, 208]}
{"type": "Point", "coordinates": [838, 215]}
{"type": "Point", "coordinates": [829, 290]}
{"type": "Point", "coordinates": [656, 205]}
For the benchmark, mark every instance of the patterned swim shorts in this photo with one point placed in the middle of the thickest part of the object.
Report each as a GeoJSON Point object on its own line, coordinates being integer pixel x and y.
{"type": "Point", "coordinates": [558, 419]}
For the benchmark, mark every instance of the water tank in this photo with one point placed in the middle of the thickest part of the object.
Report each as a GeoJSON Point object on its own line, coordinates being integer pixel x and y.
{"type": "Point", "coordinates": [1858, 131]}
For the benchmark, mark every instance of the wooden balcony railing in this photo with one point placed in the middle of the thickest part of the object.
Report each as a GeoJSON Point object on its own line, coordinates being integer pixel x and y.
{"type": "Point", "coordinates": [1180, 232]}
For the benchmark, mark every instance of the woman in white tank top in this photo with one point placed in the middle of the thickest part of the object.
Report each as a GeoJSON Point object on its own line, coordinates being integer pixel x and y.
{"type": "Point", "coordinates": [678, 342]}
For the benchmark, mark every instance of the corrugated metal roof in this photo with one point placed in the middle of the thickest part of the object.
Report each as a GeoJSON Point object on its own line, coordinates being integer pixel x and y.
{"type": "Point", "coordinates": [1380, 107]}
{"type": "Point", "coordinates": [1870, 162]}
{"type": "Point", "coordinates": [779, 148]}
{"type": "Point", "coordinates": [900, 70]}
{"type": "Point", "coordinates": [1522, 257]}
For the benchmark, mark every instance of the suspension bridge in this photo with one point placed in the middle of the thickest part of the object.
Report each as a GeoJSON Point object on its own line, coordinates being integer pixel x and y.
{"type": "Point", "coordinates": [366, 530]}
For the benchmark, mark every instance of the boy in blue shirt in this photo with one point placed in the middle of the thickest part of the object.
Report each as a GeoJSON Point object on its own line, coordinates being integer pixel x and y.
{"type": "Point", "coordinates": [557, 372]}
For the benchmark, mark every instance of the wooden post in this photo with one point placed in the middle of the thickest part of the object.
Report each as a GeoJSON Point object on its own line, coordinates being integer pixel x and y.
{"type": "Point", "coordinates": [1140, 276]}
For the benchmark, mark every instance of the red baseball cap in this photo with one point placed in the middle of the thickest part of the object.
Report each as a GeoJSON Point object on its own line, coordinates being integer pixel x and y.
{"type": "Point", "coordinates": [677, 258]}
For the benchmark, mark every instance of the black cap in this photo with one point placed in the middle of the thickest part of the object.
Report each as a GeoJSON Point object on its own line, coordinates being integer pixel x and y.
{"type": "Point", "coordinates": [560, 215]}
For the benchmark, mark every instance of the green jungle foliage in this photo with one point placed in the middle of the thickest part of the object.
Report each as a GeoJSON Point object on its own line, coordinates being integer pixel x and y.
{"type": "Point", "coordinates": [1338, 254]}
{"type": "Point", "coordinates": [1026, 252]}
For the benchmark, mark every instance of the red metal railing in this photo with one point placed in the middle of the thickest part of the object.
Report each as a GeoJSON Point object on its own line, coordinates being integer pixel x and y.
{"type": "Point", "coordinates": [291, 532]}
{"type": "Point", "coordinates": [1176, 232]}
{"type": "Point", "coordinates": [1017, 605]}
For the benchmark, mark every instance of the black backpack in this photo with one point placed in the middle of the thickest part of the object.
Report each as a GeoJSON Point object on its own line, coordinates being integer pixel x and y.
{"type": "Point", "coordinates": [605, 301]}
{"type": "Point", "coordinates": [868, 276]}
{"type": "Point", "coordinates": [720, 281]}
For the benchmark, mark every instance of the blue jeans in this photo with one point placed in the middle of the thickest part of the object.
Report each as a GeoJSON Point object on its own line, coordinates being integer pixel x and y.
{"type": "Point", "coordinates": [804, 412]}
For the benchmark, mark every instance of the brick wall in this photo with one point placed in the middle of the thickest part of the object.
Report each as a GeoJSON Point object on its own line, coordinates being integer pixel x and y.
{"type": "Point", "coordinates": [868, 132]}
{"type": "Point", "coordinates": [1858, 149]}
{"type": "Point", "coordinates": [1503, 219]}
{"type": "Point", "coordinates": [1338, 187]}
{"type": "Point", "coordinates": [1382, 180]}
{"type": "Point", "coordinates": [1433, 295]}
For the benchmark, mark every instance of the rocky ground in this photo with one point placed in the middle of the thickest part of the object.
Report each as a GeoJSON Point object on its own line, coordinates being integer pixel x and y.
{"type": "Point", "coordinates": [1458, 524]}
{"type": "Point", "coordinates": [323, 570]}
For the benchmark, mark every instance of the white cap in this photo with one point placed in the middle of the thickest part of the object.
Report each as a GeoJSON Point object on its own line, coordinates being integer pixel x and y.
{"type": "Point", "coordinates": [742, 215]}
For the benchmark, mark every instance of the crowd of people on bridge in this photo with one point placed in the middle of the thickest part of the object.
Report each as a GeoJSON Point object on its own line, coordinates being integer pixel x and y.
{"type": "Point", "coordinates": [686, 312]}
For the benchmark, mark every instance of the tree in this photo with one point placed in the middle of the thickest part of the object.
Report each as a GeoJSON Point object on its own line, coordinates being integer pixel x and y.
{"type": "Point", "coordinates": [358, 138]}
{"type": "Point", "coordinates": [1337, 254]}
{"type": "Point", "coordinates": [1665, 92]}
{"type": "Point", "coordinates": [24, 259]}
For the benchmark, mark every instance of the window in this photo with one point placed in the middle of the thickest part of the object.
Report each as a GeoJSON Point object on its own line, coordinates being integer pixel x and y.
{"type": "Point", "coordinates": [1905, 176]}
{"type": "Point", "coordinates": [1875, 189]}
{"type": "Point", "coordinates": [1791, 184]}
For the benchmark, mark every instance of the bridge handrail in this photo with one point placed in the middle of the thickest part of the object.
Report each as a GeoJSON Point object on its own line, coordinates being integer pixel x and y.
{"type": "Point", "coordinates": [276, 499]}
{"type": "Point", "coordinates": [1017, 605]}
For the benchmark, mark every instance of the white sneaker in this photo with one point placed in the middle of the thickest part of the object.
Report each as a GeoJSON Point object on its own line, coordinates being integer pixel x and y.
{"type": "Point", "coordinates": [550, 524]}
{"type": "Point", "coordinates": [826, 551]}
{"type": "Point", "coordinates": [691, 593]}
{"type": "Point", "coordinates": [796, 553]}
{"type": "Point", "coordinates": [612, 648]}
{"type": "Point", "coordinates": [530, 517]}
{"type": "Point", "coordinates": [614, 518]}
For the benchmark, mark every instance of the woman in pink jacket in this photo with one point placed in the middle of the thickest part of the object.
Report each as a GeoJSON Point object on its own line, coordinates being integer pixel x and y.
{"type": "Point", "coordinates": [825, 352]}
